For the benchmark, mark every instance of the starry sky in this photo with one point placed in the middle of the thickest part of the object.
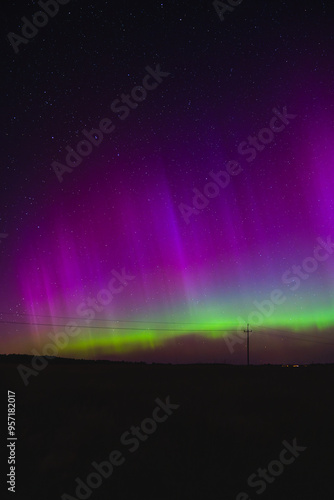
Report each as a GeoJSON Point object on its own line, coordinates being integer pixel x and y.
{"type": "Point", "coordinates": [202, 197]}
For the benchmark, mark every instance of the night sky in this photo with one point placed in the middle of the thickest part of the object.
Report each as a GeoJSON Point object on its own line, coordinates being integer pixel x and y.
{"type": "Point", "coordinates": [167, 178]}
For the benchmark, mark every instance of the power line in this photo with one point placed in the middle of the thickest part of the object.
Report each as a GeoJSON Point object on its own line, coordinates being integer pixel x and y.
{"type": "Point", "coordinates": [99, 319]}
{"type": "Point", "coordinates": [195, 330]}
{"type": "Point", "coordinates": [292, 333]}
{"type": "Point", "coordinates": [92, 327]}
{"type": "Point", "coordinates": [294, 338]}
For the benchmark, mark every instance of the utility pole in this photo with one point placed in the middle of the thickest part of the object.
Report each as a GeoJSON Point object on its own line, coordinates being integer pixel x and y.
{"type": "Point", "coordinates": [248, 331]}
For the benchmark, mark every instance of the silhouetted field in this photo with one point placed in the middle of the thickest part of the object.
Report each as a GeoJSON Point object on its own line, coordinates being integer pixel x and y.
{"type": "Point", "coordinates": [231, 421]}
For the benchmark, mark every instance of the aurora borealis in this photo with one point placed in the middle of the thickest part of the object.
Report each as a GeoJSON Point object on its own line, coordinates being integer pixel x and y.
{"type": "Point", "coordinates": [108, 248]}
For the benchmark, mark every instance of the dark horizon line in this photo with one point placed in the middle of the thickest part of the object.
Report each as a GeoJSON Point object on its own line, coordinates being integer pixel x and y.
{"type": "Point", "coordinates": [56, 359]}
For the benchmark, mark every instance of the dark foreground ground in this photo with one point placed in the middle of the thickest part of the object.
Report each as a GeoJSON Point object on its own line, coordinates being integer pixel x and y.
{"type": "Point", "coordinates": [230, 422]}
